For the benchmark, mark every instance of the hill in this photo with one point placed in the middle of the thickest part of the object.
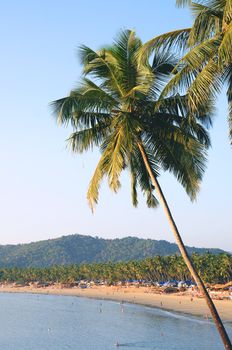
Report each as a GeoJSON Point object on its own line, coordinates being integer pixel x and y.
{"type": "Point", "coordinates": [75, 249]}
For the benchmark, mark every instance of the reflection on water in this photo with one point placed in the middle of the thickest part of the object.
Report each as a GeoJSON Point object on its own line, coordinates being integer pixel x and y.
{"type": "Point", "coordinates": [31, 322]}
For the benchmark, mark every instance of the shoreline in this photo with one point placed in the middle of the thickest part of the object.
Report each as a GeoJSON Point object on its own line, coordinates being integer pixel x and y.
{"type": "Point", "coordinates": [142, 296]}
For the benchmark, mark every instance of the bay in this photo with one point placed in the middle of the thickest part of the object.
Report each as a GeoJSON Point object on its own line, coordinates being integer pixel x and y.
{"type": "Point", "coordinates": [46, 322]}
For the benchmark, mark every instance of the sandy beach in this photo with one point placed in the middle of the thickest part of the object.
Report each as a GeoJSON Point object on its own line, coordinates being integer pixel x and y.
{"type": "Point", "coordinates": [143, 296]}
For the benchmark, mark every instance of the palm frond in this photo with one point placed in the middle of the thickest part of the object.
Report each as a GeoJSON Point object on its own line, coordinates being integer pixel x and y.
{"type": "Point", "coordinates": [84, 107]}
{"type": "Point", "coordinates": [225, 49]}
{"type": "Point", "coordinates": [163, 63]}
{"type": "Point", "coordinates": [228, 80]}
{"type": "Point", "coordinates": [180, 83]}
{"type": "Point", "coordinates": [80, 112]}
{"type": "Point", "coordinates": [197, 74]}
{"type": "Point", "coordinates": [205, 87]}
{"type": "Point", "coordinates": [182, 3]}
{"type": "Point", "coordinates": [227, 17]}
{"type": "Point", "coordinates": [83, 140]}
{"type": "Point", "coordinates": [230, 121]}
{"type": "Point", "coordinates": [134, 195]}
{"type": "Point", "coordinates": [64, 108]}
{"type": "Point", "coordinates": [167, 124]}
{"type": "Point", "coordinates": [186, 160]}
{"type": "Point", "coordinates": [99, 99]}
{"type": "Point", "coordinates": [94, 186]}
{"type": "Point", "coordinates": [101, 65]}
{"type": "Point", "coordinates": [198, 131]}
{"type": "Point", "coordinates": [117, 148]}
{"type": "Point", "coordinates": [131, 77]}
{"type": "Point", "coordinates": [116, 160]}
{"type": "Point", "coordinates": [177, 39]}
{"type": "Point", "coordinates": [143, 177]}
{"type": "Point", "coordinates": [200, 54]}
{"type": "Point", "coordinates": [206, 24]}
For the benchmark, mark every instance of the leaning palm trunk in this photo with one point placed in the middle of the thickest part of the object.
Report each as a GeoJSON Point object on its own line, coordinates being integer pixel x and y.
{"type": "Point", "coordinates": [123, 108]}
{"type": "Point", "coordinates": [184, 253]}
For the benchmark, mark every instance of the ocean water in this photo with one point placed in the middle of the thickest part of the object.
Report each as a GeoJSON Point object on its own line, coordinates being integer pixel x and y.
{"type": "Point", "coordinates": [45, 322]}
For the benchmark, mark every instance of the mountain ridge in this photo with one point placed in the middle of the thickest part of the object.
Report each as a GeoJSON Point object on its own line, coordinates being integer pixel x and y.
{"type": "Point", "coordinates": [76, 249]}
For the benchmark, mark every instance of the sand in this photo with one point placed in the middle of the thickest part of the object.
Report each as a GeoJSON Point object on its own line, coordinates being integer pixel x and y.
{"type": "Point", "coordinates": [142, 296]}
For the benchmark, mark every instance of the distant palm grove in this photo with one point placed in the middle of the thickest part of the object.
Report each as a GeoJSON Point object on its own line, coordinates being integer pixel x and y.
{"type": "Point", "coordinates": [212, 268]}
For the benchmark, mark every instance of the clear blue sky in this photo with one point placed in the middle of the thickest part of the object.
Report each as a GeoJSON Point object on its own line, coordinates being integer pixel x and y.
{"type": "Point", "coordinates": [43, 186]}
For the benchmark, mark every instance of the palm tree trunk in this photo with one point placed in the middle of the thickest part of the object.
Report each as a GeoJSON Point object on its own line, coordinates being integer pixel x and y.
{"type": "Point", "coordinates": [184, 253]}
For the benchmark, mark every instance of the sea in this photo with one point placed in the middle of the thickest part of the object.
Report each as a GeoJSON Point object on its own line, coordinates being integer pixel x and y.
{"type": "Point", "coordinates": [48, 322]}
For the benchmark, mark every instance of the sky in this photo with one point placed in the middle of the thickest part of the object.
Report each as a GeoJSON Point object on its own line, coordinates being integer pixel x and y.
{"type": "Point", "coordinates": [42, 185]}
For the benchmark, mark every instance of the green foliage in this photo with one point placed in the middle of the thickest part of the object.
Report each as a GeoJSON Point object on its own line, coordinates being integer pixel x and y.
{"type": "Point", "coordinates": [207, 62]}
{"type": "Point", "coordinates": [76, 249]}
{"type": "Point", "coordinates": [212, 269]}
{"type": "Point", "coordinates": [116, 109]}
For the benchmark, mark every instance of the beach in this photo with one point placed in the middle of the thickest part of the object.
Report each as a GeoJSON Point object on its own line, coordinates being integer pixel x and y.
{"type": "Point", "coordinates": [142, 295]}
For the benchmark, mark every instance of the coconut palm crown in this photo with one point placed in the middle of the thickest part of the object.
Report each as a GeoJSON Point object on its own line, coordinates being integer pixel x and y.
{"type": "Point", "coordinates": [114, 108]}
{"type": "Point", "coordinates": [206, 64]}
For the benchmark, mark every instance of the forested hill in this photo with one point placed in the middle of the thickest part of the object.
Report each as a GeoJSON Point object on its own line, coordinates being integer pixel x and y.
{"type": "Point", "coordinates": [75, 249]}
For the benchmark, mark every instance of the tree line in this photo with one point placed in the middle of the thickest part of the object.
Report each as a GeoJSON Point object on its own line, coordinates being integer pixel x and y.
{"type": "Point", "coordinates": [212, 269]}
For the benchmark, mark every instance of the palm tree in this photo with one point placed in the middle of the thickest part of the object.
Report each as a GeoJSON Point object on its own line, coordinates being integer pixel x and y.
{"type": "Point", "coordinates": [206, 64]}
{"type": "Point", "coordinates": [117, 111]}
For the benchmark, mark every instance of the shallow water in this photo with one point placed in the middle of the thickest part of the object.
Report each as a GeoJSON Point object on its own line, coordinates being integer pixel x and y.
{"type": "Point", "coordinates": [45, 322]}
